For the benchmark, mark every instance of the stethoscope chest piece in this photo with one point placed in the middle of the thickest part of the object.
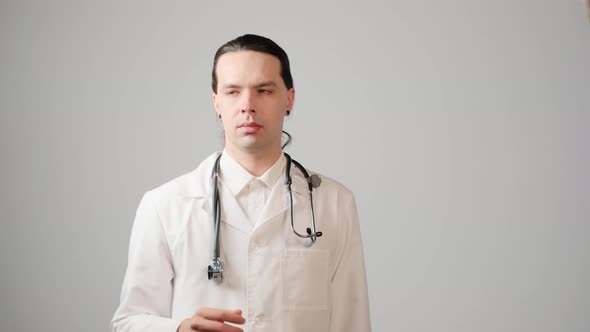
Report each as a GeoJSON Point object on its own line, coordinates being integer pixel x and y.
{"type": "Point", "coordinates": [315, 180]}
{"type": "Point", "coordinates": [215, 269]}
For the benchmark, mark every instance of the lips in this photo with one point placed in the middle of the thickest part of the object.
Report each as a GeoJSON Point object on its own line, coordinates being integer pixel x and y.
{"type": "Point", "coordinates": [250, 127]}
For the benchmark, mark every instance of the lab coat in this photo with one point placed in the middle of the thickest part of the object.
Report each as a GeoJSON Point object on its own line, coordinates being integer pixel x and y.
{"type": "Point", "coordinates": [280, 281]}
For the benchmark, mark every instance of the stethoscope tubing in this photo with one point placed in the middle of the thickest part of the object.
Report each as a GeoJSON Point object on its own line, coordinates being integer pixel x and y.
{"type": "Point", "coordinates": [311, 232]}
{"type": "Point", "coordinates": [215, 269]}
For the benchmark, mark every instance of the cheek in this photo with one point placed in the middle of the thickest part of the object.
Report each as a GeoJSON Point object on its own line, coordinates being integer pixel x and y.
{"type": "Point", "coordinates": [226, 107]}
{"type": "Point", "coordinates": [223, 104]}
{"type": "Point", "coordinates": [279, 119]}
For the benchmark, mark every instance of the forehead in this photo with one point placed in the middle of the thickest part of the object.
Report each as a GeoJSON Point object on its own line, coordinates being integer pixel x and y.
{"type": "Point", "coordinates": [248, 67]}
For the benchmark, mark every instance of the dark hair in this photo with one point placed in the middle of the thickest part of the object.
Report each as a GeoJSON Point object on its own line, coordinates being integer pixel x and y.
{"type": "Point", "coordinates": [258, 44]}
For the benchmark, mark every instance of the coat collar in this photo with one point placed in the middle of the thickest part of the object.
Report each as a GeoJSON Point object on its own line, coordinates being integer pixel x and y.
{"type": "Point", "coordinates": [198, 184]}
{"type": "Point", "coordinates": [236, 177]}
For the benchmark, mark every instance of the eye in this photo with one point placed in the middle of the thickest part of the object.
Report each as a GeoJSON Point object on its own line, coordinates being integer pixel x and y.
{"type": "Point", "coordinates": [264, 91]}
{"type": "Point", "coordinates": [231, 92]}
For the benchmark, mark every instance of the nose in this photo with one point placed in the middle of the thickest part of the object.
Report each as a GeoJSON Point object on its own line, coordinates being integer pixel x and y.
{"type": "Point", "coordinates": [248, 103]}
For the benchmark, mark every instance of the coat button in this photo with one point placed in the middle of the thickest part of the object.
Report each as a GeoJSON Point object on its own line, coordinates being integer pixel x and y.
{"type": "Point", "coordinates": [259, 320]}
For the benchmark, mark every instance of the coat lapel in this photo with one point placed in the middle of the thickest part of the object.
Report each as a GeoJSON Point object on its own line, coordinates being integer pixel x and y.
{"type": "Point", "coordinates": [278, 204]}
{"type": "Point", "coordinates": [232, 213]}
{"type": "Point", "coordinates": [200, 186]}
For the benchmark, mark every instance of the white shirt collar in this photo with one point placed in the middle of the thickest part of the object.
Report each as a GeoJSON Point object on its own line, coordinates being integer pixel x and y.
{"type": "Point", "coordinates": [237, 177]}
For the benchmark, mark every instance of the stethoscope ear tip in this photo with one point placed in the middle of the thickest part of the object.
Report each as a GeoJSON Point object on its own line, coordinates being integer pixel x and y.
{"type": "Point", "coordinates": [317, 234]}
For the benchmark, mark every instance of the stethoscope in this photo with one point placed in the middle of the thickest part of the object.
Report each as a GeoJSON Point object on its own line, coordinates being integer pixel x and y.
{"type": "Point", "coordinates": [215, 269]}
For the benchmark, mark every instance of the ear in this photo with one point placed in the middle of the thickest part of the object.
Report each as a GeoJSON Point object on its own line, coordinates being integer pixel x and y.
{"type": "Point", "coordinates": [214, 98]}
{"type": "Point", "coordinates": [290, 99]}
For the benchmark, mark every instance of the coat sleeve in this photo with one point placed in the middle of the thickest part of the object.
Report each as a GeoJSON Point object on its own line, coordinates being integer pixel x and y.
{"type": "Point", "coordinates": [146, 297]}
{"type": "Point", "coordinates": [350, 300]}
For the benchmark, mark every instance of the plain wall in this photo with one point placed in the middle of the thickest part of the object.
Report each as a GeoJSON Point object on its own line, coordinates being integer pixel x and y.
{"type": "Point", "coordinates": [462, 127]}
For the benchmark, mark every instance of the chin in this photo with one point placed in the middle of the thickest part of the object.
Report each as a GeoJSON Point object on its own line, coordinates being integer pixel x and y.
{"type": "Point", "coordinates": [248, 143]}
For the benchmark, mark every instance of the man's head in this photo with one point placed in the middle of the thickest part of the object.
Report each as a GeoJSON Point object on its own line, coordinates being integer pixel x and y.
{"type": "Point", "coordinates": [252, 93]}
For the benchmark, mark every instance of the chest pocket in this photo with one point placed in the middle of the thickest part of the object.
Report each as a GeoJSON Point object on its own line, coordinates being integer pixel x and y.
{"type": "Point", "coordinates": [305, 279]}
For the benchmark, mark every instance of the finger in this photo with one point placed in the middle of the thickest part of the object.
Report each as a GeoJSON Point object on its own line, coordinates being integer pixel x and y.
{"type": "Point", "coordinates": [229, 328]}
{"type": "Point", "coordinates": [222, 315]}
{"type": "Point", "coordinates": [201, 324]}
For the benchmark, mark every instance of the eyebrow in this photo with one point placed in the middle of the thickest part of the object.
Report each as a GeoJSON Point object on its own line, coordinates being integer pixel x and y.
{"type": "Point", "coordinates": [265, 84]}
{"type": "Point", "coordinates": [257, 86]}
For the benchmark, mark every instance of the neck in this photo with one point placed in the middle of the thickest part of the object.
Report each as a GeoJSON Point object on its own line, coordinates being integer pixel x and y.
{"type": "Point", "coordinates": [255, 162]}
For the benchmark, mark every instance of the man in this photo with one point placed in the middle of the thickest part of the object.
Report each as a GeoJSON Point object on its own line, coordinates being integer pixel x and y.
{"type": "Point", "coordinates": [273, 279]}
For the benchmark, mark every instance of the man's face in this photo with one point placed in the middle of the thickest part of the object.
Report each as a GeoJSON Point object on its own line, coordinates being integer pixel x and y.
{"type": "Point", "coordinates": [252, 100]}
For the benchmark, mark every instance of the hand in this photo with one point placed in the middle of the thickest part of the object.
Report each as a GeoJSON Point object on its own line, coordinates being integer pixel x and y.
{"type": "Point", "coordinates": [213, 320]}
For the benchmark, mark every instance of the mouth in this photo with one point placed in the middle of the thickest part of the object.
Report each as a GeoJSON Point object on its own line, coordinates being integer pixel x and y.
{"type": "Point", "coordinates": [249, 124]}
{"type": "Point", "coordinates": [250, 127]}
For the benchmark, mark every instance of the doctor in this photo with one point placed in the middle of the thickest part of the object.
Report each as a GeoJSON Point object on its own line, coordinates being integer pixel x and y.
{"type": "Point", "coordinates": [273, 279]}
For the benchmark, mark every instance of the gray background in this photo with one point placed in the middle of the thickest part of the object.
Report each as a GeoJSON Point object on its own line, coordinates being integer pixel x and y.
{"type": "Point", "coordinates": [462, 127]}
